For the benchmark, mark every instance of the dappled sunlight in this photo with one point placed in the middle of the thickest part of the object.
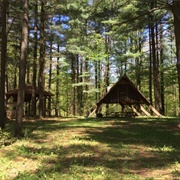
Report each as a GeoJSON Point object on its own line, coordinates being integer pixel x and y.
{"type": "Point", "coordinates": [92, 149]}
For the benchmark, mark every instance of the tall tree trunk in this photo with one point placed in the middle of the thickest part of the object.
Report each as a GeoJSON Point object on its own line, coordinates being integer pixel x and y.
{"type": "Point", "coordinates": [79, 88]}
{"type": "Point", "coordinates": [57, 85]}
{"type": "Point", "coordinates": [107, 68]}
{"type": "Point", "coordinates": [72, 108]}
{"type": "Point", "coordinates": [99, 81]}
{"type": "Point", "coordinates": [150, 66]}
{"type": "Point", "coordinates": [28, 73]}
{"type": "Point", "coordinates": [86, 88]}
{"type": "Point", "coordinates": [155, 60]}
{"type": "Point", "coordinates": [138, 60]}
{"type": "Point", "coordinates": [50, 78]}
{"type": "Point", "coordinates": [97, 78]}
{"type": "Point", "coordinates": [16, 65]}
{"type": "Point", "coordinates": [176, 13]}
{"type": "Point", "coordinates": [22, 72]}
{"type": "Point", "coordinates": [155, 72]}
{"type": "Point", "coordinates": [42, 62]}
{"type": "Point", "coordinates": [33, 103]}
{"type": "Point", "coordinates": [3, 64]}
{"type": "Point", "coordinates": [15, 77]}
{"type": "Point", "coordinates": [162, 70]}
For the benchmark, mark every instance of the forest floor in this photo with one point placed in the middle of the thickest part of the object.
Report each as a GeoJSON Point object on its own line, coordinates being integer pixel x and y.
{"type": "Point", "coordinates": [92, 149]}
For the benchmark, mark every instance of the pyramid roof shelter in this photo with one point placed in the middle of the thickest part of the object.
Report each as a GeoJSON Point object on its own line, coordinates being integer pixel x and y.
{"type": "Point", "coordinates": [125, 93]}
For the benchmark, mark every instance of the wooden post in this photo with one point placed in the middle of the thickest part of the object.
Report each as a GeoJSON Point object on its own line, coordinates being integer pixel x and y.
{"type": "Point", "coordinates": [92, 110]}
{"type": "Point", "coordinates": [144, 111]}
{"type": "Point", "coordinates": [135, 110]}
{"type": "Point", "coordinates": [44, 108]}
{"type": "Point", "coordinates": [154, 110]}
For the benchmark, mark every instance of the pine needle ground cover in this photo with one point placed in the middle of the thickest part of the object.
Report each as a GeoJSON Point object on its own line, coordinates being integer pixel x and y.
{"type": "Point", "coordinates": [98, 149]}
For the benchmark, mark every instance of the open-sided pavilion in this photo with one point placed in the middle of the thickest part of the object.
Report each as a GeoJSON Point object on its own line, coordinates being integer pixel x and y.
{"type": "Point", "coordinates": [12, 95]}
{"type": "Point", "coordinates": [124, 93]}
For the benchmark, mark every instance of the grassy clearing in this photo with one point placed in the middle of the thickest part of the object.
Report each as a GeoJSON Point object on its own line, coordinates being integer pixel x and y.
{"type": "Point", "coordinates": [98, 149]}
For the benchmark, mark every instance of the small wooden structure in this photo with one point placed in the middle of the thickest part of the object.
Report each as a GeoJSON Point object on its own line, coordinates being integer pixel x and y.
{"type": "Point", "coordinates": [11, 97]}
{"type": "Point", "coordinates": [125, 93]}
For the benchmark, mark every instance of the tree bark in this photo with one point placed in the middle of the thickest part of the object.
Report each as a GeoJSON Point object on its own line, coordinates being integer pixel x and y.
{"type": "Point", "coordinates": [22, 72]}
{"type": "Point", "coordinates": [50, 79]}
{"type": "Point", "coordinates": [107, 69]}
{"type": "Point", "coordinates": [3, 65]}
{"type": "Point", "coordinates": [33, 103]}
{"type": "Point", "coordinates": [79, 88]}
{"type": "Point", "coordinates": [72, 108]}
{"type": "Point", "coordinates": [162, 71]}
{"type": "Point", "coordinates": [155, 61]}
{"type": "Point", "coordinates": [138, 61]}
{"type": "Point", "coordinates": [150, 66]}
{"type": "Point", "coordinates": [96, 78]}
{"type": "Point", "coordinates": [176, 14]}
{"type": "Point", "coordinates": [157, 94]}
{"type": "Point", "coordinates": [57, 86]}
{"type": "Point", "coordinates": [99, 80]}
{"type": "Point", "coordinates": [86, 88]}
{"type": "Point", "coordinates": [41, 80]}
{"type": "Point", "coordinates": [157, 73]}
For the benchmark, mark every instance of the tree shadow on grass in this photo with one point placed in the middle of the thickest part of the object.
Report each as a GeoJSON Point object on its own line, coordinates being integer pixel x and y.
{"type": "Point", "coordinates": [118, 149]}
{"type": "Point", "coordinates": [137, 134]}
{"type": "Point", "coordinates": [159, 134]}
{"type": "Point", "coordinates": [82, 157]}
{"type": "Point", "coordinates": [140, 132]}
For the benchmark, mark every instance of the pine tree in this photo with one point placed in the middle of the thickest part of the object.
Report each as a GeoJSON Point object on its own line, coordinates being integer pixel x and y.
{"type": "Point", "coordinates": [22, 71]}
{"type": "Point", "coordinates": [41, 80]}
{"type": "Point", "coordinates": [3, 63]}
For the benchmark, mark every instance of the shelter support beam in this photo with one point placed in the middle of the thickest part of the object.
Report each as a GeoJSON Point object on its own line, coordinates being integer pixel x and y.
{"type": "Point", "coordinates": [92, 110]}
{"type": "Point", "coordinates": [154, 110]}
{"type": "Point", "coordinates": [144, 111]}
{"type": "Point", "coordinates": [135, 110]}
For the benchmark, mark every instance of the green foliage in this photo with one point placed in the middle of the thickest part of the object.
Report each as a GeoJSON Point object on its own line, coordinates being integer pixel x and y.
{"type": "Point", "coordinates": [93, 32]}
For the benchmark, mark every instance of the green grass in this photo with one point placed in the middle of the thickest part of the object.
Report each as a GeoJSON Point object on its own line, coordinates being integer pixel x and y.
{"type": "Point", "coordinates": [98, 149]}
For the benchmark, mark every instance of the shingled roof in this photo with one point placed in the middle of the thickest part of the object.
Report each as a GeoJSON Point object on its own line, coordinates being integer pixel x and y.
{"type": "Point", "coordinates": [28, 93]}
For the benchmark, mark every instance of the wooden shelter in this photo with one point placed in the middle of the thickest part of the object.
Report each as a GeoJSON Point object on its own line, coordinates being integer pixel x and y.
{"type": "Point", "coordinates": [11, 97]}
{"type": "Point", "coordinates": [125, 93]}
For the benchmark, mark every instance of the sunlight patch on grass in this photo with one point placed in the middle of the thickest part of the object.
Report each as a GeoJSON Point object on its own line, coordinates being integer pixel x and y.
{"type": "Point", "coordinates": [11, 168]}
{"type": "Point", "coordinates": [98, 149]}
{"type": "Point", "coordinates": [165, 149]}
